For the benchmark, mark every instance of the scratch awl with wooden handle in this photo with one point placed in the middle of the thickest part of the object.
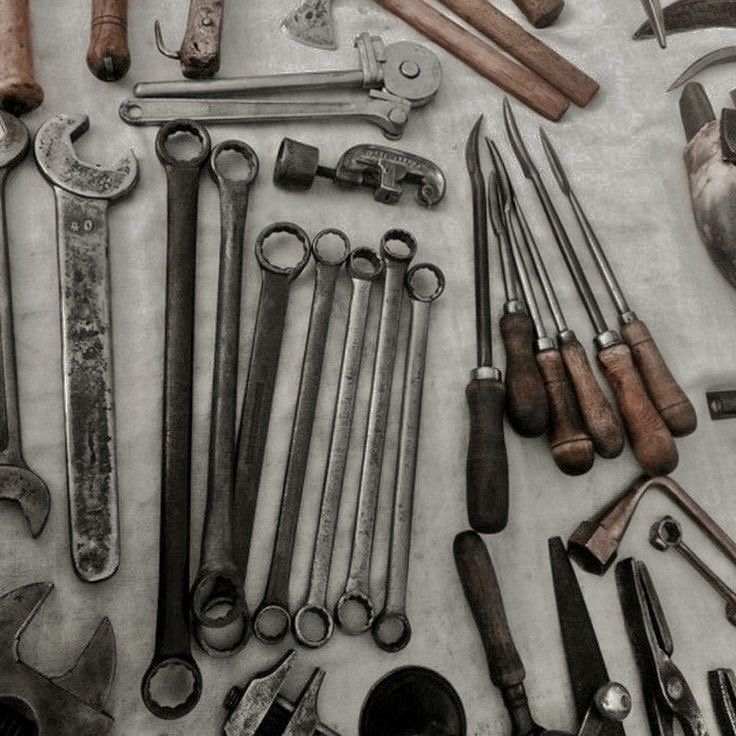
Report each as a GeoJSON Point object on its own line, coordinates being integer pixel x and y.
{"type": "Point", "coordinates": [108, 56]}
{"type": "Point", "coordinates": [310, 23]}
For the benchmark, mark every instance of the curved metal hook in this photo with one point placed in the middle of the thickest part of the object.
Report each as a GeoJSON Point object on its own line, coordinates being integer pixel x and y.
{"type": "Point", "coordinates": [160, 45]}
{"type": "Point", "coordinates": [719, 56]}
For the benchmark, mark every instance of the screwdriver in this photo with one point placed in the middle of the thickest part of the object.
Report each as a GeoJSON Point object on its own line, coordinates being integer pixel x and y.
{"type": "Point", "coordinates": [487, 466]}
{"type": "Point", "coordinates": [572, 448]}
{"type": "Point", "coordinates": [671, 402]}
{"type": "Point", "coordinates": [651, 441]}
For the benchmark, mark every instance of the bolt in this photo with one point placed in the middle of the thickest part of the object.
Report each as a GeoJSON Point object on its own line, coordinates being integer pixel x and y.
{"type": "Point", "coordinates": [410, 69]}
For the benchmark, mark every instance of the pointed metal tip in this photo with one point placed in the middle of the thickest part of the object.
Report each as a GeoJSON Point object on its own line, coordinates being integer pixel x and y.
{"type": "Point", "coordinates": [554, 163]}
{"type": "Point", "coordinates": [719, 56]}
{"type": "Point", "coordinates": [472, 153]}
{"type": "Point", "coordinates": [517, 142]}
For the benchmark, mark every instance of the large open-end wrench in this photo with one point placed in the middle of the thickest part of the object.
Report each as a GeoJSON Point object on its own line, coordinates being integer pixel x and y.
{"type": "Point", "coordinates": [217, 595]}
{"type": "Point", "coordinates": [397, 249]}
{"type": "Point", "coordinates": [172, 666]}
{"type": "Point", "coordinates": [272, 620]}
{"type": "Point", "coordinates": [83, 193]}
{"type": "Point", "coordinates": [391, 629]}
{"type": "Point", "coordinates": [313, 623]}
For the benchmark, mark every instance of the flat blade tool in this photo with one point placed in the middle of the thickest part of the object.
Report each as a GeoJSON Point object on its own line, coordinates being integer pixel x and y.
{"type": "Point", "coordinates": [667, 396]}
{"type": "Point", "coordinates": [688, 15]}
{"type": "Point", "coordinates": [655, 15]}
{"type": "Point", "coordinates": [722, 685]}
{"type": "Point", "coordinates": [651, 441]}
{"type": "Point", "coordinates": [487, 468]}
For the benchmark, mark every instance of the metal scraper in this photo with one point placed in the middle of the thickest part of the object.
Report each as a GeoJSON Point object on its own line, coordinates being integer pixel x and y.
{"type": "Point", "coordinates": [310, 23]}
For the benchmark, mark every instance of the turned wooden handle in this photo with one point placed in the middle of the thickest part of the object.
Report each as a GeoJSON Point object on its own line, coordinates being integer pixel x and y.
{"type": "Point", "coordinates": [571, 447]}
{"type": "Point", "coordinates": [526, 399]}
{"type": "Point", "coordinates": [540, 13]}
{"type": "Point", "coordinates": [528, 49]}
{"type": "Point", "coordinates": [671, 402]}
{"type": "Point", "coordinates": [599, 417]}
{"type": "Point", "coordinates": [200, 49]}
{"type": "Point", "coordinates": [19, 91]}
{"type": "Point", "coordinates": [524, 84]}
{"type": "Point", "coordinates": [650, 439]}
{"type": "Point", "coordinates": [108, 56]}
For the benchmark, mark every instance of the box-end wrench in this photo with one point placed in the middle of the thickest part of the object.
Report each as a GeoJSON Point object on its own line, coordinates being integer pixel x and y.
{"type": "Point", "coordinates": [355, 610]}
{"type": "Point", "coordinates": [172, 668]}
{"type": "Point", "coordinates": [313, 623]}
{"type": "Point", "coordinates": [217, 594]}
{"type": "Point", "coordinates": [391, 629]}
{"type": "Point", "coordinates": [272, 620]}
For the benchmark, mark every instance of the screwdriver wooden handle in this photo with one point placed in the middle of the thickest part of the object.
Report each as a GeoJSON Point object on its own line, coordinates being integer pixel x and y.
{"type": "Point", "coordinates": [650, 439]}
{"type": "Point", "coordinates": [526, 399]}
{"type": "Point", "coordinates": [541, 13]}
{"type": "Point", "coordinates": [522, 83]}
{"type": "Point", "coordinates": [599, 417]}
{"type": "Point", "coordinates": [572, 448]}
{"type": "Point", "coordinates": [488, 468]}
{"type": "Point", "coordinates": [108, 56]}
{"type": "Point", "coordinates": [19, 91]}
{"type": "Point", "coordinates": [671, 402]}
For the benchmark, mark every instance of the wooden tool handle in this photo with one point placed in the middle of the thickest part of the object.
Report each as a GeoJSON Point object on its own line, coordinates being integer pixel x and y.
{"type": "Point", "coordinates": [671, 402]}
{"type": "Point", "coordinates": [108, 56]}
{"type": "Point", "coordinates": [526, 399]}
{"type": "Point", "coordinates": [522, 83]}
{"type": "Point", "coordinates": [479, 581]}
{"type": "Point", "coordinates": [528, 49]}
{"type": "Point", "coordinates": [571, 447]}
{"type": "Point", "coordinates": [19, 91]}
{"type": "Point", "coordinates": [541, 13]}
{"type": "Point", "coordinates": [599, 417]}
{"type": "Point", "coordinates": [200, 49]}
{"type": "Point", "coordinates": [488, 468]}
{"type": "Point", "coordinates": [650, 439]}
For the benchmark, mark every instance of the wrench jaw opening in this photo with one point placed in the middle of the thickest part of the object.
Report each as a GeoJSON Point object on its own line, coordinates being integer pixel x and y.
{"type": "Point", "coordinates": [391, 631]}
{"type": "Point", "coordinates": [218, 598]}
{"type": "Point", "coordinates": [355, 612]}
{"type": "Point", "coordinates": [170, 130]}
{"type": "Point", "coordinates": [313, 626]}
{"type": "Point", "coordinates": [174, 674]}
{"type": "Point", "coordinates": [288, 228]}
{"type": "Point", "coordinates": [22, 486]}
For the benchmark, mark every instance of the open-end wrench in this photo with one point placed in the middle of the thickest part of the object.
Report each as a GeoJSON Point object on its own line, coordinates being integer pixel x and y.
{"type": "Point", "coordinates": [218, 595]}
{"type": "Point", "coordinates": [313, 623]}
{"type": "Point", "coordinates": [172, 666]}
{"type": "Point", "coordinates": [272, 620]}
{"type": "Point", "coordinates": [391, 629]}
{"type": "Point", "coordinates": [355, 610]}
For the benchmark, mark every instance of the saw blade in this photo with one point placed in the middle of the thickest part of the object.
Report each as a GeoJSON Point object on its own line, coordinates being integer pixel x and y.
{"type": "Point", "coordinates": [310, 23]}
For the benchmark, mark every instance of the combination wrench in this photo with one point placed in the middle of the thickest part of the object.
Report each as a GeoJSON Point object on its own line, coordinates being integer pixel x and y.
{"type": "Point", "coordinates": [391, 629]}
{"type": "Point", "coordinates": [397, 249]}
{"type": "Point", "coordinates": [313, 622]}
{"type": "Point", "coordinates": [217, 595]}
{"type": "Point", "coordinates": [272, 620]}
{"type": "Point", "coordinates": [172, 665]}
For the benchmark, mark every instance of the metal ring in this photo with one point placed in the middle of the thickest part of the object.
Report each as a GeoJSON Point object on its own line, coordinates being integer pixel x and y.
{"type": "Point", "coordinates": [175, 711]}
{"type": "Point", "coordinates": [291, 229]}
{"type": "Point", "coordinates": [214, 588]}
{"type": "Point", "coordinates": [326, 620]}
{"type": "Point", "coordinates": [248, 154]}
{"type": "Point", "coordinates": [369, 255]}
{"type": "Point", "coordinates": [328, 261]}
{"type": "Point", "coordinates": [183, 126]}
{"type": "Point", "coordinates": [220, 649]}
{"type": "Point", "coordinates": [403, 236]}
{"type": "Point", "coordinates": [414, 293]}
{"type": "Point", "coordinates": [364, 602]}
{"type": "Point", "coordinates": [395, 643]}
{"type": "Point", "coordinates": [259, 624]}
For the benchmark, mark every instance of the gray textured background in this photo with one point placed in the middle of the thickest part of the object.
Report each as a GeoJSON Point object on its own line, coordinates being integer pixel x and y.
{"type": "Point", "coordinates": [624, 153]}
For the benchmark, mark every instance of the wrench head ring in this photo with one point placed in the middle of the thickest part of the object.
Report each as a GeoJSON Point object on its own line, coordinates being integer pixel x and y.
{"type": "Point", "coordinates": [290, 229]}
{"type": "Point", "coordinates": [271, 623]}
{"type": "Point", "coordinates": [230, 639]}
{"type": "Point", "coordinates": [302, 631]}
{"type": "Point", "coordinates": [221, 591]}
{"type": "Point", "coordinates": [390, 253]}
{"type": "Point", "coordinates": [414, 290]}
{"type": "Point", "coordinates": [15, 143]}
{"type": "Point", "coordinates": [665, 533]}
{"type": "Point", "coordinates": [369, 257]}
{"type": "Point", "coordinates": [411, 71]}
{"type": "Point", "coordinates": [184, 666]}
{"type": "Point", "coordinates": [246, 153]}
{"type": "Point", "coordinates": [324, 258]}
{"type": "Point", "coordinates": [391, 631]}
{"type": "Point", "coordinates": [169, 130]}
{"type": "Point", "coordinates": [348, 623]}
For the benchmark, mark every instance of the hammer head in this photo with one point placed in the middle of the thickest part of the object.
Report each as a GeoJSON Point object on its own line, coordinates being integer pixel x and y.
{"type": "Point", "coordinates": [59, 163]}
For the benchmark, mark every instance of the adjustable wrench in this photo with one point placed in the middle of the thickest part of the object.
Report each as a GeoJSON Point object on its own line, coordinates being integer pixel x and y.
{"type": "Point", "coordinates": [391, 629]}
{"type": "Point", "coordinates": [172, 661]}
{"type": "Point", "coordinates": [357, 593]}
{"type": "Point", "coordinates": [272, 620]}
{"type": "Point", "coordinates": [364, 267]}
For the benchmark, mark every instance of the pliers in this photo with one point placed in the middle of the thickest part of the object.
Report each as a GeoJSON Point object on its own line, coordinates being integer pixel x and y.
{"type": "Point", "coordinates": [666, 692]}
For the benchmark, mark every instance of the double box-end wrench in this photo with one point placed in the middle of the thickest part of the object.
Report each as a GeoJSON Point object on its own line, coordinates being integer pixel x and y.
{"type": "Point", "coordinates": [172, 684]}
{"type": "Point", "coordinates": [272, 620]}
{"type": "Point", "coordinates": [355, 610]}
{"type": "Point", "coordinates": [391, 629]}
{"type": "Point", "coordinates": [313, 622]}
{"type": "Point", "coordinates": [218, 596]}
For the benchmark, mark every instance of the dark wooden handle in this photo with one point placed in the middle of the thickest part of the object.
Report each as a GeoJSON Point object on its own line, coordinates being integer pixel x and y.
{"type": "Point", "coordinates": [488, 467]}
{"type": "Point", "coordinates": [478, 578]}
{"type": "Point", "coordinates": [599, 417]}
{"type": "Point", "coordinates": [541, 13]}
{"type": "Point", "coordinates": [200, 49]}
{"type": "Point", "coordinates": [572, 448]}
{"type": "Point", "coordinates": [650, 439]}
{"type": "Point", "coordinates": [526, 399]}
{"type": "Point", "coordinates": [528, 49]}
{"type": "Point", "coordinates": [671, 402]}
{"type": "Point", "coordinates": [108, 56]}
{"type": "Point", "coordinates": [19, 91]}
{"type": "Point", "coordinates": [522, 83]}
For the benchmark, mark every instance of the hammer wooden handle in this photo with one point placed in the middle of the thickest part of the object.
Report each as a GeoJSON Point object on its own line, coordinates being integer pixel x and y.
{"type": "Point", "coordinates": [19, 91]}
{"type": "Point", "coordinates": [540, 13]}
{"type": "Point", "coordinates": [200, 49]}
{"type": "Point", "coordinates": [524, 84]}
{"type": "Point", "coordinates": [108, 56]}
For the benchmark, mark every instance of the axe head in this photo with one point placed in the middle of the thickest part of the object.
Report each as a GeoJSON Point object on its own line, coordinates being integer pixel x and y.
{"type": "Point", "coordinates": [310, 23]}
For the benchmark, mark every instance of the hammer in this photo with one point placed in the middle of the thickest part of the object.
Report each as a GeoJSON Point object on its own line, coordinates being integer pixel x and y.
{"type": "Point", "coordinates": [19, 91]}
{"type": "Point", "coordinates": [108, 56]}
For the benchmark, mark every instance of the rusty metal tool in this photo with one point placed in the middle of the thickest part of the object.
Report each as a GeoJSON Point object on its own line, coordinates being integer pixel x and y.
{"type": "Point", "coordinates": [310, 22]}
{"type": "Point", "coordinates": [355, 610]}
{"type": "Point", "coordinates": [667, 695]}
{"type": "Point", "coordinates": [722, 685]}
{"type": "Point", "coordinates": [108, 55]}
{"type": "Point", "coordinates": [173, 672]}
{"type": "Point", "coordinates": [83, 193]}
{"type": "Point", "coordinates": [667, 396]}
{"type": "Point", "coordinates": [19, 91]}
{"type": "Point", "coordinates": [218, 597]}
{"type": "Point", "coordinates": [200, 49]}
{"type": "Point", "coordinates": [272, 620]}
{"type": "Point", "coordinates": [688, 15]}
{"type": "Point", "coordinates": [313, 622]}
{"type": "Point", "coordinates": [391, 628]}
{"type": "Point", "coordinates": [70, 704]}
{"type": "Point", "coordinates": [721, 404]}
